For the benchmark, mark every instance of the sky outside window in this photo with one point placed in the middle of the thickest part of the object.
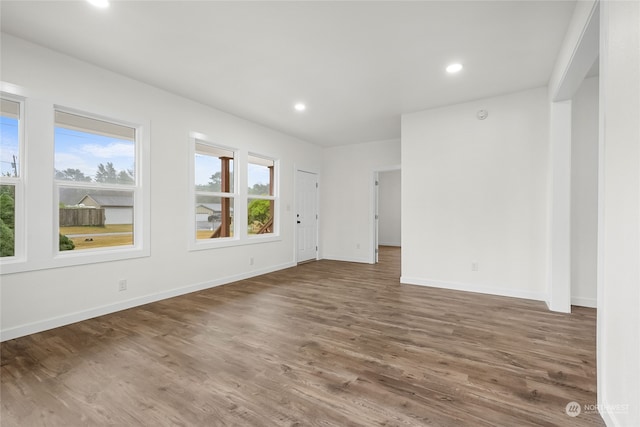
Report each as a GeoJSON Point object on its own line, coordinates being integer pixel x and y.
{"type": "Point", "coordinates": [258, 179]}
{"type": "Point", "coordinates": [205, 167]}
{"type": "Point", "coordinates": [85, 151]}
{"type": "Point", "coordinates": [9, 147]}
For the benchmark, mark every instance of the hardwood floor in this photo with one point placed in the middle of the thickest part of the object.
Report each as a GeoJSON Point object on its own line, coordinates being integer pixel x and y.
{"type": "Point", "coordinates": [324, 344]}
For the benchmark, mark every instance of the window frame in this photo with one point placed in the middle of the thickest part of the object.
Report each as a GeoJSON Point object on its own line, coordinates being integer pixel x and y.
{"type": "Point", "coordinates": [241, 198]}
{"type": "Point", "coordinates": [195, 243]}
{"type": "Point", "coordinates": [273, 197]}
{"type": "Point", "coordinates": [141, 196]}
{"type": "Point", "coordinates": [200, 139]}
{"type": "Point", "coordinates": [19, 228]}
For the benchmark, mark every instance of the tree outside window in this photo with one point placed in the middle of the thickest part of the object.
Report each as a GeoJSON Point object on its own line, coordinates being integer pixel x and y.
{"type": "Point", "coordinates": [10, 175]}
{"type": "Point", "coordinates": [260, 195]}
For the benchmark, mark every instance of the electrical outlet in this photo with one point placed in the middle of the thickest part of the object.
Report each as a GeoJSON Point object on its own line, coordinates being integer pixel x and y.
{"type": "Point", "coordinates": [474, 266]}
{"type": "Point", "coordinates": [122, 285]}
{"type": "Point", "coordinates": [251, 261]}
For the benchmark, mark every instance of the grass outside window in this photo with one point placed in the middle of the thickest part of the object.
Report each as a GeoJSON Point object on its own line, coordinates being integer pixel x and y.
{"type": "Point", "coordinates": [89, 237]}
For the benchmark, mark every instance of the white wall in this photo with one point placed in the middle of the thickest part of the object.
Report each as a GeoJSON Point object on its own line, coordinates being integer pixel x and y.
{"type": "Point", "coordinates": [346, 198]}
{"type": "Point", "coordinates": [389, 208]}
{"type": "Point", "coordinates": [475, 191]}
{"type": "Point", "coordinates": [584, 194]}
{"type": "Point", "coordinates": [37, 300]}
{"type": "Point", "coordinates": [619, 215]}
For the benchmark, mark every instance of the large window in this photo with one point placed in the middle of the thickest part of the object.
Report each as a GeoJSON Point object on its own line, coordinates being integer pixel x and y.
{"type": "Point", "coordinates": [261, 194]}
{"type": "Point", "coordinates": [234, 196]}
{"type": "Point", "coordinates": [96, 181]}
{"type": "Point", "coordinates": [11, 222]}
{"type": "Point", "coordinates": [214, 191]}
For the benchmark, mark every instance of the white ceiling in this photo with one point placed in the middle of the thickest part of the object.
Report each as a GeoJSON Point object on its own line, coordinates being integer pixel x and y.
{"type": "Point", "coordinates": [357, 65]}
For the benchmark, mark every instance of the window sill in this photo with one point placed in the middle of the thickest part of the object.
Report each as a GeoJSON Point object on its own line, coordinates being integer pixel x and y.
{"type": "Point", "coordinates": [69, 259]}
{"type": "Point", "coordinates": [226, 243]}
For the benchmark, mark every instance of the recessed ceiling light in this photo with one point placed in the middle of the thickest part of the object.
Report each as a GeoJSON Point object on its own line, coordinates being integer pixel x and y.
{"type": "Point", "coordinates": [102, 4]}
{"type": "Point", "coordinates": [454, 68]}
{"type": "Point", "coordinates": [300, 106]}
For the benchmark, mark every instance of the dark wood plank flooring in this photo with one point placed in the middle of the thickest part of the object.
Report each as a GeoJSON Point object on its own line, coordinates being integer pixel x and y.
{"type": "Point", "coordinates": [323, 344]}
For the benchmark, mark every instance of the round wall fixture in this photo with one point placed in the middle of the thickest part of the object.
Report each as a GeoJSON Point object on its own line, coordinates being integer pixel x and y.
{"type": "Point", "coordinates": [482, 114]}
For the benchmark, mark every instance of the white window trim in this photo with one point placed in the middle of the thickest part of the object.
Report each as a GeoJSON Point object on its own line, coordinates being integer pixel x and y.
{"type": "Point", "coordinates": [19, 254]}
{"type": "Point", "coordinates": [275, 236]}
{"type": "Point", "coordinates": [240, 197]}
{"type": "Point", "coordinates": [141, 194]}
{"type": "Point", "coordinates": [39, 122]}
{"type": "Point", "coordinates": [194, 243]}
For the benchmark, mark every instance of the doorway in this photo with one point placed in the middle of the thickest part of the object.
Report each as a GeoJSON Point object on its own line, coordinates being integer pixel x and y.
{"type": "Point", "coordinates": [306, 216]}
{"type": "Point", "coordinates": [387, 210]}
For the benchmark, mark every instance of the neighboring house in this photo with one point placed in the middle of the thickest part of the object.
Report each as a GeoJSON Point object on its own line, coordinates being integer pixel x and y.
{"type": "Point", "coordinates": [117, 209]}
{"type": "Point", "coordinates": [208, 216]}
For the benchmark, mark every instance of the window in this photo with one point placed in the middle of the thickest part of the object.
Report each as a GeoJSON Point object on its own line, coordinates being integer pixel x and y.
{"type": "Point", "coordinates": [233, 196]}
{"type": "Point", "coordinates": [96, 178]}
{"type": "Point", "coordinates": [214, 192]}
{"type": "Point", "coordinates": [261, 195]}
{"type": "Point", "coordinates": [11, 136]}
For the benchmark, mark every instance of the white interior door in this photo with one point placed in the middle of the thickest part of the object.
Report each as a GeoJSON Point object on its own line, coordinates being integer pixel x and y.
{"type": "Point", "coordinates": [307, 215]}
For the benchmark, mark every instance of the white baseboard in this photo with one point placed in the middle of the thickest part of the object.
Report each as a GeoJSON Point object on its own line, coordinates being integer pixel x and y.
{"type": "Point", "coordinates": [67, 319]}
{"type": "Point", "coordinates": [468, 287]}
{"type": "Point", "coordinates": [609, 417]}
{"type": "Point", "coordinates": [389, 244]}
{"type": "Point", "coordinates": [584, 302]}
{"type": "Point", "coordinates": [347, 259]}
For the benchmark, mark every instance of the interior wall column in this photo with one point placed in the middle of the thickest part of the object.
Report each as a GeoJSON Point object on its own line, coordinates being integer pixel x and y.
{"type": "Point", "coordinates": [559, 263]}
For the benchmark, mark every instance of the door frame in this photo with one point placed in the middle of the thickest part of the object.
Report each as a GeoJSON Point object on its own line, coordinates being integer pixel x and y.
{"type": "Point", "coordinates": [295, 208]}
{"type": "Point", "coordinates": [374, 204]}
